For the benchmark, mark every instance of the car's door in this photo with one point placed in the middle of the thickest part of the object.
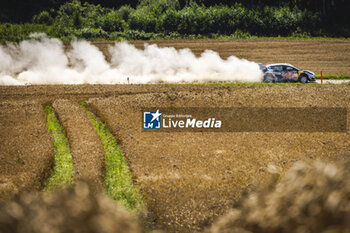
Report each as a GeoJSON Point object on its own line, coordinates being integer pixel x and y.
{"type": "Point", "coordinates": [289, 73]}
{"type": "Point", "coordinates": [277, 70]}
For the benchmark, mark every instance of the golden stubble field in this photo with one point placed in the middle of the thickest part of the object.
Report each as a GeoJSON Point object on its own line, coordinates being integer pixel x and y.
{"type": "Point", "coordinates": [330, 56]}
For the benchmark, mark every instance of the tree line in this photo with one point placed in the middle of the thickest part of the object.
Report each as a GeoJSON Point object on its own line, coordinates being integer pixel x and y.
{"type": "Point", "coordinates": [147, 19]}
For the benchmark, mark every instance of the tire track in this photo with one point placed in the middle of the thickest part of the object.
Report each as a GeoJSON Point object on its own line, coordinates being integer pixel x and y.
{"type": "Point", "coordinates": [26, 149]}
{"type": "Point", "coordinates": [86, 147]}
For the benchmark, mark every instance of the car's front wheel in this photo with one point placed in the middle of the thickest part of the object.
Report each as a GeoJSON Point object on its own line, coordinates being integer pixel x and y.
{"type": "Point", "coordinates": [303, 79]}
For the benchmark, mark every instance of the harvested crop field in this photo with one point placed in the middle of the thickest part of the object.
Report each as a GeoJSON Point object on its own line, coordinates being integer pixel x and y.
{"type": "Point", "coordinates": [330, 56]}
{"type": "Point", "coordinates": [26, 149]}
{"type": "Point", "coordinates": [188, 179]}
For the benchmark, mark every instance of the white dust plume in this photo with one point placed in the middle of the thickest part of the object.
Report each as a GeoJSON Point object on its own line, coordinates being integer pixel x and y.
{"type": "Point", "coordinates": [45, 61]}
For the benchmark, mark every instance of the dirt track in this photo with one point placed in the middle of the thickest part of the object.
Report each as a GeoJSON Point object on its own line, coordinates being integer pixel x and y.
{"type": "Point", "coordinates": [188, 179]}
{"type": "Point", "coordinates": [86, 147]}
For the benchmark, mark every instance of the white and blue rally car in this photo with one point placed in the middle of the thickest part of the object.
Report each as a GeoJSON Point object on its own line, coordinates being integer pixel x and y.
{"type": "Point", "coordinates": [284, 72]}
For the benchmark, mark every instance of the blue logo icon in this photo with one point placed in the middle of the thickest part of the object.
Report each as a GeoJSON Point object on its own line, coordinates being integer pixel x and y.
{"type": "Point", "coordinates": [151, 120]}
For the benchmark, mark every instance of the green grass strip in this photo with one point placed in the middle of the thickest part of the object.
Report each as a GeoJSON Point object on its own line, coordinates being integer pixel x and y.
{"type": "Point", "coordinates": [118, 179]}
{"type": "Point", "coordinates": [62, 174]}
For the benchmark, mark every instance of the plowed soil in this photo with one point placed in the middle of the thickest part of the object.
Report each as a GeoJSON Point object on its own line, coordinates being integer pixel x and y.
{"type": "Point", "coordinates": [188, 179]}
{"type": "Point", "coordinates": [86, 147]}
{"type": "Point", "coordinates": [330, 56]}
{"type": "Point", "coordinates": [26, 149]}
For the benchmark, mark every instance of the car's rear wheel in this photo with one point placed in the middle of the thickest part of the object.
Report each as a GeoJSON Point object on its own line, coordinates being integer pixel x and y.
{"type": "Point", "coordinates": [269, 78]}
{"type": "Point", "coordinates": [303, 79]}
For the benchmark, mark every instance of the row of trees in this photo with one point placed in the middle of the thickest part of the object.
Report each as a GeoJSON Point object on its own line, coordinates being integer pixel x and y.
{"type": "Point", "coordinates": [146, 19]}
{"type": "Point", "coordinates": [23, 10]}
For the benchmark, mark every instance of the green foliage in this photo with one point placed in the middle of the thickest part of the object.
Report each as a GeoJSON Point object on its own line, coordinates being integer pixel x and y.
{"type": "Point", "coordinates": [119, 184]}
{"type": "Point", "coordinates": [43, 17]}
{"type": "Point", "coordinates": [148, 13]}
{"type": "Point", "coordinates": [332, 14]}
{"type": "Point", "coordinates": [165, 19]}
{"type": "Point", "coordinates": [143, 20]}
{"type": "Point", "coordinates": [19, 32]}
{"type": "Point", "coordinates": [62, 173]}
{"type": "Point", "coordinates": [92, 34]}
{"type": "Point", "coordinates": [75, 15]}
{"type": "Point", "coordinates": [158, 7]}
{"type": "Point", "coordinates": [77, 21]}
{"type": "Point", "coordinates": [125, 11]}
{"type": "Point", "coordinates": [224, 20]}
{"type": "Point", "coordinates": [301, 35]}
{"type": "Point", "coordinates": [193, 20]}
{"type": "Point", "coordinates": [169, 21]}
{"type": "Point", "coordinates": [112, 22]}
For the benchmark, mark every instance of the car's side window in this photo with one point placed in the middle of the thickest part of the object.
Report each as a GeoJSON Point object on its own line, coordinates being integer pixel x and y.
{"type": "Point", "coordinates": [291, 69]}
{"type": "Point", "coordinates": [276, 68]}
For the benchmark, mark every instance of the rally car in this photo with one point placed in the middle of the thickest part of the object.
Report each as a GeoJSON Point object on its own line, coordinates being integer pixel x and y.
{"type": "Point", "coordinates": [284, 72]}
